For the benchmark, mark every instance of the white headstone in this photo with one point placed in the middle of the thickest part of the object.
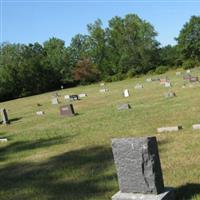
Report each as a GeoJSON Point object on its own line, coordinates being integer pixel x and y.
{"type": "Point", "coordinates": [54, 101]}
{"type": "Point", "coordinates": [138, 86]}
{"type": "Point", "coordinates": [167, 84]}
{"type": "Point", "coordinates": [82, 95]}
{"type": "Point", "coordinates": [148, 80]}
{"type": "Point", "coordinates": [126, 93]}
{"type": "Point", "coordinates": [3, 139]}
{"type": "Point", "coordinates": [196, 126]}
{"type": "Point", "coordinates": [39, 113]}
{"type": "Point", "coordinates": [103, 90]}
{"type": "Point", "coordinates": [169, 129]}
{"type": "Point", "coordinates": [188, 71]}
{"type": "Point", "coordinates": [66, 97]}
{"type": "Point", "coordinates": [102, 84]}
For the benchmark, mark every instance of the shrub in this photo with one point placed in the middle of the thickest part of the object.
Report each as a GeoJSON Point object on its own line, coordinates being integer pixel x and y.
{"type": "Point", "coordinates": [188, 64]}
{"type": "Point", "coordinates": [161, 69]}
{"type": "Point", "coordinates": [131, 73]}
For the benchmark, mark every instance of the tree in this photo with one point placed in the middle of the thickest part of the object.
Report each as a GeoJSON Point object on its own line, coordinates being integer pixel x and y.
{"type": "Point", "coordinates": [85, 71]}
{"type": "Point", "coordinates": [189, 40]}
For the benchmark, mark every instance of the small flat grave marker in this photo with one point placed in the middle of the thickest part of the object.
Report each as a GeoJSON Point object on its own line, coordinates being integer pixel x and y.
{"type": "Point", "coordinates": [170, 94]}
{"type": "Point", "coordinates": [188, 71]}
{"type": "Point", "coordinates": [167, 84]}
{"type": "Point", "coordinates": [3, 139]}
{"type": "Point", "coordinates": [124, 106]}
{"type": "Point", "coordinates": [138, 86]}
{"type": "Point", "coordinates": [196, 126]}
{"type": "Point", "coordinates": [148, 80]}
{"type": "Point", "coordinates": [67, 110]}
{"type": "Point", "coordinates": [169, 129]}
{"type": "Point", "coordinates": [178, 73]}
{"type": "Point", "coordinates": [103, 90]}
{"type": "Point", "coordinates": [40, 113]}
{"type": "Point", "coordinates": [102, 84]}
{"type": "Point", "coordinates": [82, 95]}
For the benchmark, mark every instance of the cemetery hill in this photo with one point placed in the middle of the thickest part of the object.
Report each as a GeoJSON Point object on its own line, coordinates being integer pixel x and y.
{"type": "Point", "coordinates": [62, 106]}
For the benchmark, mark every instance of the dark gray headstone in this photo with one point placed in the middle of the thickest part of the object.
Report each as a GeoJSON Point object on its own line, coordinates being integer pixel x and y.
{"type": "Point", "coordinates": [4, 116]}
{"type": "Point", "coordinates": [67, 110]}
{"type": "Point", "coordinates": [138, 165]}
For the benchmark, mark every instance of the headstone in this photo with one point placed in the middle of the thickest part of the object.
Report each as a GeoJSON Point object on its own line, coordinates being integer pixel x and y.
{"type": "Point", "coordinates": [194, 79]}
{"type": "Point", "coordinates": [61, 87]}
{"type": "Point", "coordinates": [3, 139]}
{"type": "Point", "coordinates": [124, 106]}
{"type": "Point", "coordinates": [40, 113]}
{"type": "Point", "coordinates": [73, 97]}
{"type": "Point", "coordinates": [126, 93]}
{"type": "Point", "coordinates": [138, 86]}
{"type": "Point", "coordinates": [139, 170]}
{"type": "Point", "coordinates": [155, 79]}
{"type": "Point", "coordinates": [196, 126]}
{"type": "Point", "coordinates": [163, 80]}
{"type": "Point", "coordinates": [187, 77]}
{"type": "Point", "coordinates": [102, 84]}
{"type": "Point", "coordinates": [188, 71]}
{"type": "Point", "coordinates": [178, 73]}
{"type": "Point", "coordinates": [4, 116]}
{"type": "Point", "coordinates": [170, 94]}
{"type": "Point", "coordinates": [168, 84]}
{"type": "Point", "coordinates": [54, 101]}
{"type": "Point", "coordinates": [169, 129]}
{"type": "Point", "coordinates": [103, 90]}
{"type": "Point", "coordinates": [148, 80]}
{"type": "Point", "coordinates": [82, 95]}
{"type": "Point", "coordinates": [66, 97]}
{"type": "Point", "coordinates": [67, 110]}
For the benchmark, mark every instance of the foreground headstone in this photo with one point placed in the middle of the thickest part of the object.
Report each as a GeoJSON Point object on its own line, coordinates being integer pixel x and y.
{"type": "Point", "coordinates": [124, 106]}
{"type": "Point", "coordinates": [139, 171]}
{"type": "Point", "coordinates": [169, 129]}
{"type": "Point", "coordinates": [67, 110]}
{"type": "Point", "coordinates": [196, 126]}
{"type": "Point", "coordinates": [54, 101]}
{"type": "Point", "coordinates": [4, 116]}
{"type": "Point", "coordinates": [3, 139]}
{"type": "Point", "coordinates": [126, 93]}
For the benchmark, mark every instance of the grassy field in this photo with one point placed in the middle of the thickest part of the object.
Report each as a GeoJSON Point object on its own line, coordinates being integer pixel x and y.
{"type": "Point", "coordinates": [52, 157]}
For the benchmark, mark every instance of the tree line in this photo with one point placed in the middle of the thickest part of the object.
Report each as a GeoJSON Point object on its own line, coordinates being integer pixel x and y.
{"type": "Point", "coordinates": [126, 48]}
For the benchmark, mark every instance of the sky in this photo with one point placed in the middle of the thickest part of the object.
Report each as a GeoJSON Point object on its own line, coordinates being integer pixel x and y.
{"type": "Point", "coordinates": [29, 21]}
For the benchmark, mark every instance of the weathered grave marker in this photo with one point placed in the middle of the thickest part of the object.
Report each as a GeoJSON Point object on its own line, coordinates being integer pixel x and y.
{"type": "Point", "coordinates": [103, 90]}
{"type": "Point", "coordinates": [188, 71]}
{"type": "Point", "coordinates": [102, 84]}
{"type": "Point", "coordinates": [82, 95]}
{"type": "Point", "coordinates": [67, 110]}
{"type": "Point", "coordinates": [124, 106]}
{"type": "Point", "coordinates": [54, 101]}
{"type": "Point", "coordinates": [170, 94]}
{"type": "Point", "coordinates": [167, 84]}
{"type": "Point", "coordinates": [66, 97]}
{"type": "Point", "coordinates": [126, 93]}
{"type": "Point", "coordinates": [3, 139]}
{"type": "Point", "coordinates": [196, 126]}
{"type": "Point", "coordinates": [40, 113]}
{"type": "Point", "coordinates": [148, 80]}
{"type": "Point", "coordinates": [178, 73]}
{"type": "Point", "coordinates": [169, 129]}
{"type": "Point", "coordinates": [138, 86]}
{"type": "Point", "coordinates": [139, 170]}
{"type": "Point", "coordinates": [73, 97]}
{"type": "Point", "coordinates": [164, 80]}
{"type": "Point", "coordinates": [4, 116]}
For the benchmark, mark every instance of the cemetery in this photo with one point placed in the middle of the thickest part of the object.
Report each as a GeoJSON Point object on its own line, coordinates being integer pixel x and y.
{"type": "Point", "coordinates": [115, 148]}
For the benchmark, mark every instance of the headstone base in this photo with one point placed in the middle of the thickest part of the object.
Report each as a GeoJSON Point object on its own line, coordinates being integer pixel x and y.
{"type": "Point", "coordinates": [167, 195]}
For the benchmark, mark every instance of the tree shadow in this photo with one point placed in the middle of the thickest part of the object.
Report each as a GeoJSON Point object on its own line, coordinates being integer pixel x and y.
{"type": "Point", "coordinates": [75, 175]}
{"type": "Point", "coordinates": [187, 191]}
{"type": "Point", "coordinates": [15, 119]}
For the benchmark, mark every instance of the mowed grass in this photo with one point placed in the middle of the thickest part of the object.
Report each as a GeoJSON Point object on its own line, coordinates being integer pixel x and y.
{"type": "Point", "coordinates": [53, 157]}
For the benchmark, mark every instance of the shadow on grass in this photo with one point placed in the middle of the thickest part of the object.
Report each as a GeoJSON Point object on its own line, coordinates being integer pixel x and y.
{"type": "Point", "coordinates": [188, 191]}
{"type": "Point", "coordinates": [75, 175]}
{"type": "Point", "coordinates": [21, 146]}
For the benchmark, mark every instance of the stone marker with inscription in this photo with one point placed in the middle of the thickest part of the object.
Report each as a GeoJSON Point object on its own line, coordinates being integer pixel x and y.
{"type": "Point", "coordinates": [4, 116]}
{"type": "Point", "coordinates": [54, 101]}
{"type": "Point", "coordinates": [169, 129]}
{"type": "Point", "coordinates": [168, 84]}
{"type": "Point", "coordinates": [124, 106]}
{"type": "Point", "coordinates": [40, 112]}
{"type": "Point", "coordinates": [138, 86]}
{"type": "Point", "coordinates": [139, 170]}
{"type": "Point", "coordinates": [103, 90]}
{"type": "Point", "coordinates": [67, 110]}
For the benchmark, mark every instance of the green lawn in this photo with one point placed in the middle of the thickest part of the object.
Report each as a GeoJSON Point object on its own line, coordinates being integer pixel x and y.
{"type": "Point", "coordinates": [51, 157]}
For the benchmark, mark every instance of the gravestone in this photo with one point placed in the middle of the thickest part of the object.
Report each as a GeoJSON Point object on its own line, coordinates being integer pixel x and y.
{"type": "Point", "coordinates": [54, 101]}
{"type": "Point", "coordinates": [178, 73]}
{"type": "Point", "coordinates": [188, 71]}
{"type": "Point", "coordinates": [167, 84]}
{"type": "Point", "coordinates": [126, 93]}
{"type": "Point", "coordinates": [103, 90]}
{"type": "Point", "coordinates": [196, 126]}
{"type": "Point", "coordinates": [73, 97]}
{"type": "Point", "coordinates": [194, 79]}
{"type": "Point", "coordinates": [3, 139]}
{"type": "Point", "coordinates": [138, 86]}
{"type": "Point", "coordinates": [67, 110]}
{"type": "Point", "coordinates": [169, 129]}
{"type": "Point", "coordinates": [170, 94]}
{"type": "Point", "coordinates": [163, 80]}
{"type": "Point", "coordinates": [124, 106]}
{"type": "Point", "coordinates": [4, 116]}
{"type": "Point", "coordinates": [139, 170]}
{"type": "Point", "coordinates": [148, 80]}
{"type": "Point", "coordinates": [66, 97]}
{"type": "Point", "coordinates": [82, 95]}
{"type": "Point", "coordinates": [40, 113]}
{"type": "Point", "coordinates": [102, 84]}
